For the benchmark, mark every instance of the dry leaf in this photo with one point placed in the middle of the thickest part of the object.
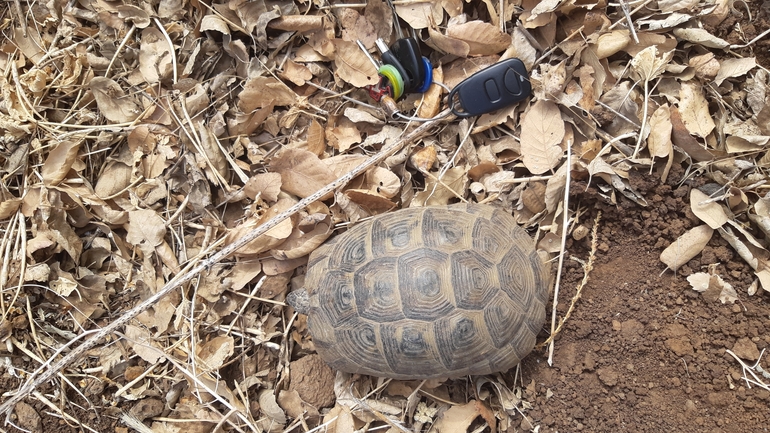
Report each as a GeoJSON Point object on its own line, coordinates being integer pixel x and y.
{"type": "Point", "coordinates": [659, 141]}
{"type": "Point", "coordinates": [438, 192]}
{"type": "Point", "coordinates": [113, 102]}
{"type": "Point", "coordinates": [694, 110]}
{"type": "Point", "coordinates": [296, 73]}
{"type": "Point", "coordinates": [146, 229]}
{"type": "Point", "coordinates": [702, 37]}
{"type": "Point", "coordinates": [713, 287]}
{"type": "Point", "coordinates": [687, 246]}
{"type": "Point", "coordinates": [542, 130]}
{"type": "Point", "coordinates": [734, 68]}
{"type": "Point", "coordinates": [302, 173]}
{"type": "Point", "coordinates": [265, 185]}
{"type": "Point", "coordinates": [339, 420]}
{"type": "Point", "coordinates": [418, 15]}
{"type": "Point", "coordinates": [482, 38]}
{"type": "Point", "coordinates": [610, 43]}
{"type": "Point", "coordinates": [260, 92]}
{"type": "Point", "coordinates": [710, 213]}
{"type": "Point", "coordinates": [457, 418]}
{"type": "Point", "coordinates": [59, 162]}
{"type": "Point", "coordinates": [352, 65]}
{"type": "Point", "coordinates": [9, 206]}
{"type": "Point", "coordinates": [213, 353]}
{"type": "Point", "coordinates": [142, 342]}
{"type": "Point", "coordinates": [647, 63]}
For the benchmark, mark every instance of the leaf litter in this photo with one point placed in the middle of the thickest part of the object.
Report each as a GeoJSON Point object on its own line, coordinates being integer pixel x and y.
{"type": "Point", "coordinates": [138, 140]}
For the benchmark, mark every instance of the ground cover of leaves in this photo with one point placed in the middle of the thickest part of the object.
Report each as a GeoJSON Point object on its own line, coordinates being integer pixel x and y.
{"type": "Point", "coordinates": [140, 138]}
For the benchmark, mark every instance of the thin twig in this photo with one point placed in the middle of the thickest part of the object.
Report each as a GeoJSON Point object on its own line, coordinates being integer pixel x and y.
{"type": "Point", "coordinates": [624, 7]}
{"type": "Point", "coordinates": [43, 375]}
{"type": "Point", "coordinates": [587, 268]}
{"type": "Point", "coordinates": [565, 225]}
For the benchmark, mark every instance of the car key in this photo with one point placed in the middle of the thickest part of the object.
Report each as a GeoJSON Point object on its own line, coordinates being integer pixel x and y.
{"type": "Point", "coordinates": [390, 59]}
{"type": "Point", "coordinates": [497, 86]}
{"type": "Point", "coordinates": [419, 72]}
{"type": "Point", "coordinates": [407, 51]}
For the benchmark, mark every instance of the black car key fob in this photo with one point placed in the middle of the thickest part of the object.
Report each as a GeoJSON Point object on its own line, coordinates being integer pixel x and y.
{"type": "Point", "coordinates": [498, 86]}
{"type": "Point", "coordinates": [407, 51]}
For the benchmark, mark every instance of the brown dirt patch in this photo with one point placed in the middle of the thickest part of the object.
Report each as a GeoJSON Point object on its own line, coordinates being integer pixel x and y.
{"type": "Point", "coordinates": [643, 351]}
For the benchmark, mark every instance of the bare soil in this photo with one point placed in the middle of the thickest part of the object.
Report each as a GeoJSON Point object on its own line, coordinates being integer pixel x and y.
{"type": "Point", "coordinates": [643, 351]}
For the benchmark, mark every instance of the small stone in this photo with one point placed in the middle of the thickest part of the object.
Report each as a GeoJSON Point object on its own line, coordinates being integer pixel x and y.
{"type": "Point", "coordinates": [689, 406]}
{"type": "Point", "coordinates": [27, 418]}
{"type": "Point", "coordinates": [526, 425]}
{"type": "Point", "coordinates": [744, 348]}
{"type": "Point", "coordinates": [580, 232]}
{"type": "Point", "coordinates": [147, 408]}
{"type": "Point", "coordinates": [616, 326]}
{"type": "Point", "coordinates": [608, 376]}
{"type": "Point", "coordinates": [603, 247]}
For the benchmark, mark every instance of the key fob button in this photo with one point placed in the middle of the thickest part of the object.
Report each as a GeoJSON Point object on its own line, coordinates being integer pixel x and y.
{"type": "Point", "coordinates": [493, 93]}
{"type": "Point", "coordinates": [512, 81]}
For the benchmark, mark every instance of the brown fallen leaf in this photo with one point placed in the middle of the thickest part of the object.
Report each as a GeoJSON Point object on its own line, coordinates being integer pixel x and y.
{"type": "Point", "coordinates": [687, 246]}
{"type": "Point", "coordinates": [710, 213]}
{"type": "Point", "coordinates": [694, 110]}
{"type": "Point", "coordinates": [113, 103]}
{"type": "Point", "coordinates": [302, 173]}
{"type": "Point", "coordinates": [457, 418]}
{"type": "Point", "coordinates": [352, 65]}
{"type": "Point", "coordinates": [260, 92]}
{"type": "Point", "coordinates": [59, 162]}
{"type": "Point", "coordinates": [713, 287]}
{"type": "Point", "coordinates": [542, 130]}
{"type": "Point", "coordinates": [659, 141]}
{"type": "Point", "coordinates": [482, 38]}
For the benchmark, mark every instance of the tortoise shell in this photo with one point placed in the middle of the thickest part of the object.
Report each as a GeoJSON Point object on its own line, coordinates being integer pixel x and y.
{"type": "Point", "coordinates": [429, 292]}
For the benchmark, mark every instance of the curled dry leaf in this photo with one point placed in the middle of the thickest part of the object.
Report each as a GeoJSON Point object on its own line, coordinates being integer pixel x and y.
{"type": "Point", "coordinates": [702, 37]}
{"type": "Point", "coordinates": [383, 182]}
{"type": "Point", "coordinates": [59, 162]}
{"type": "Point", "coordinates": [659, 141]}
{"type": "Point", "coordinates": [113, 102]}
{"type": "Point", "coordinates": [713, 287]}
{"type": "Point", "coordinates": [687, 246]}
{"type": "Point", "coordinates": [542, 131]}
{"type": "Point", "coordinates": [9, 206]}
{"type": "Point", "coordinates": [610, 43]}
{"type": "Point", "coordinates": [431, 101]}
{"type": "Point", "coordinates": [710, 213]}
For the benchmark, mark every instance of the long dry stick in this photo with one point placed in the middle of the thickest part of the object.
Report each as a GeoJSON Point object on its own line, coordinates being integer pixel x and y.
{"type": "Point", "coordinates": [43, 374]}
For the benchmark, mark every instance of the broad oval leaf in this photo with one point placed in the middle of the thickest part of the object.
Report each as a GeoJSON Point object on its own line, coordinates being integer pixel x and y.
{"type": "Point", "coordinates": [541, 133]}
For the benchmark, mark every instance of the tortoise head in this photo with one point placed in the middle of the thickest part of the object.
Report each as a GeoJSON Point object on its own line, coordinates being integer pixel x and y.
{"type": "Point", "coordinates": [300, 300]}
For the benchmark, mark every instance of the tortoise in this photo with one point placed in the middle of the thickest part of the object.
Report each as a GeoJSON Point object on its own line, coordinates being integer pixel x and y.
{"type": "Point", "coordinates": [427, 292]}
